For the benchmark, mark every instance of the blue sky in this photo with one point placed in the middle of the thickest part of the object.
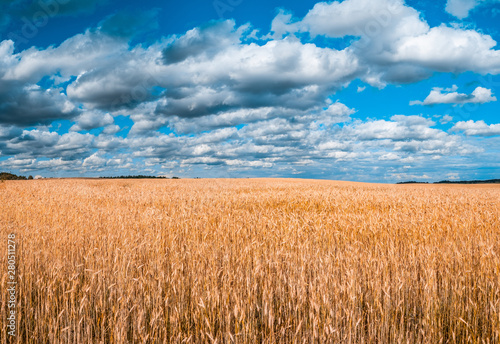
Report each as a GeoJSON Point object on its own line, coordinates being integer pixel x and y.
{"type": "Point", "coordinates": [363, 90]}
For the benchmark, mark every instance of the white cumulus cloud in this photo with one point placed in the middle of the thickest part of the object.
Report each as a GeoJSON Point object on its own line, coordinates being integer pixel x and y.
{"type": "Point", "coordinates": [462, 8]}
{"type": "Point", "coordinates": [480, 95]}
{"type": "Point", "coordinates": [479, 128]}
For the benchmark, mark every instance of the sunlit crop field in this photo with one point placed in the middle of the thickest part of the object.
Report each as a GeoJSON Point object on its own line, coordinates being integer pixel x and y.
{"type": "Point", "coordinates": [252, 261]}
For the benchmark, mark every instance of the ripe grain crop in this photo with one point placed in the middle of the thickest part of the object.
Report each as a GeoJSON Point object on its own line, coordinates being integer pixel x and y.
{"type": "Point", "coordinates": [252, 261]}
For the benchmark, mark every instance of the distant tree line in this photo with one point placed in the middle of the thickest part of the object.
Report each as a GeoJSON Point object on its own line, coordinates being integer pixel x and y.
{"type": "Point", "coordinates": [490, 181]}
{"type": "Point", "coordinates": [140, 176]}
{"type": "Point", "coordinates": [11, 176]}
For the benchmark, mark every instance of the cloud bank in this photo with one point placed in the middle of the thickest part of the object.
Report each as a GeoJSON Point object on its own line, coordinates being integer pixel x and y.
{"type": "Point", "coordinates": [221, 97]}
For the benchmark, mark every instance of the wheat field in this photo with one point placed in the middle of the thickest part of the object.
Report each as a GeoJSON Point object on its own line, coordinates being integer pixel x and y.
{"type": "Point", "coordinates": [252, 261]}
